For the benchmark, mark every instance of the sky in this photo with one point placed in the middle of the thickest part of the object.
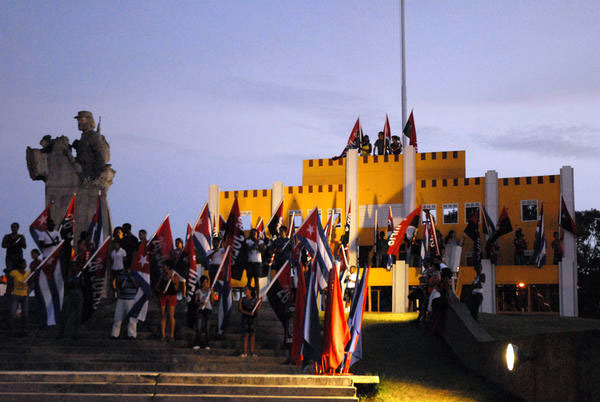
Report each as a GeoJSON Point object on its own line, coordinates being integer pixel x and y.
{"type": "Point", "coordinates": [239, 93]}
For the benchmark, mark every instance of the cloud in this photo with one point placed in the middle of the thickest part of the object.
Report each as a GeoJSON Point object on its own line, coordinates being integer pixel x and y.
{"type": "Point", "coordinates": [578, 141]}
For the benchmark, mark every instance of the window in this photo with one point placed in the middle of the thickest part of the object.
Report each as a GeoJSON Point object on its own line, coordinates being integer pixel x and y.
{"type": "Point", "coordinates": [337, 216]}
{"type": "Point", "coordinates": [432, 211]}
{"type": "Point", "coordinates": [246, 217]}
{"type": "Point", "coordinates": [320, 218]}
{"type": "Point", "coordinates": [472, 208]}
{"type": "Point", "coordinates": [297, 218]}
{"type": "Point", "coordinates": [529, 210]}
{"type": "Point", "coordinates": [450, 213]}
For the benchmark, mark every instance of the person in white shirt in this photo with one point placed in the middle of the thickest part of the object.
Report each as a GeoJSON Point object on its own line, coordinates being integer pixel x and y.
{"type": "Point", "coordinates": [117, 258]}
{"type": "Point", "coordinates": [253, 267]}
{"type": "Point", "coordinates": [49, 239]}
{"type": "Point", "coordinates": [204, 298]}
{"type": "Point", "coordinates": [215, 258]}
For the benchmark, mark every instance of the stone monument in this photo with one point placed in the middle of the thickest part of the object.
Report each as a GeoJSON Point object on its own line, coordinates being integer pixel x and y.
{"type": "Point", "coordinates": [87, 174]}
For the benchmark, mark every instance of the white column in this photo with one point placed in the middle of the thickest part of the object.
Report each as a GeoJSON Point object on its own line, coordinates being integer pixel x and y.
{"type": "Point", "coordinates": [491, 206]}
{"type": "Point", "coordinates": [489, 287]}
{"type": "Point", "coordinates": [276, 195]}
{"type": "Point", "coordinates": [400, 287]}
{"type": "Point", "coordinates": [567, 269]}
{"type": "Point", "coordinates": [409, 179]}
{"type": "Point", "coordinates": [213, 203]}
{"type": "Point", "coordinates": [352, 199]}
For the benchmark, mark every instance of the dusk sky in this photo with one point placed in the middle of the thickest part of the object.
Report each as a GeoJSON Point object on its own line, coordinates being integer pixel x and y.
{"type": "Point", "coordinates": [238, 93]}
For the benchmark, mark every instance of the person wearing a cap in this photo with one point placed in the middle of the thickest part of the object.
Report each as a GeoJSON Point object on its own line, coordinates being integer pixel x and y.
{"type": "Point", "coordinates": [93, 152]}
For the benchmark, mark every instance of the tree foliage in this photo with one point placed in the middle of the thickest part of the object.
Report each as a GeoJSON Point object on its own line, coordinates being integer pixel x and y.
{"type": "Point", "coordinates": [588, 260]}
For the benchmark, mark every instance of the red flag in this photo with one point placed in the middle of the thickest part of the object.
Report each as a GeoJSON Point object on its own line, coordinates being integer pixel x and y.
{"type": "Point", "coordinates": [68, 222]}
{"type": "Point", "coordinates": [260, 228]}
{"type": "Point", "coordinates": [336, 334]}
{"type": "Point", "coordinates": [297, 335]}
{"type": "Point", "coordinates": [387, 132]}
{"type": "Point", "coordinates": [397, 236]}
{"type": "Point", "coordinates": [161, 243]}
{"type": "Point", "coordinates": [410, 131]}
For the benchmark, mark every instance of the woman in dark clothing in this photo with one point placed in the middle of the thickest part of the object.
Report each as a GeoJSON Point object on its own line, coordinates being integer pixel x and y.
{"type": "Point", "coordinates": [167, 287]}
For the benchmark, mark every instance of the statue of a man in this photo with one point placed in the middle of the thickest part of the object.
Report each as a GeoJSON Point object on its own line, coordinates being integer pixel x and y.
{"type": "Point", "coordinates": [93, 152]}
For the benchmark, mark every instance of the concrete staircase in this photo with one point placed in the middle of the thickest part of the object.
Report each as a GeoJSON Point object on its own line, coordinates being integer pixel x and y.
{"type": "Point", "coordinates": [122, 386]}
{"type": "Point", "coordinates": [96, 367]}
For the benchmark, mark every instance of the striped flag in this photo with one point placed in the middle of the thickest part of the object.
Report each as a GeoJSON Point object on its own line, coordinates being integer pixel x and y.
{"type": "Point", "coordinates": [222, 285]}
{"type": "Point", "coordinates": [140, 269]}
{"type": "Point", "coordinates": [40, 225]}
{"type": "Point", "coordinates": [49, 288]}
{"type": "Point", "coordinates": [202, 235]}
{"type": "Point", "coordinates": [539, 246]}
{"type": "Point", "coordinates": [95, 226]}
{"type": "Point", "coordinates": [313, 239]}
{"type": "Point", "coordinates": [357, 309]}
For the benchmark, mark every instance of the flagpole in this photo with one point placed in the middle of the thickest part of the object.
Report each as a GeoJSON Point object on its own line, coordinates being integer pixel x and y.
{"type": "Point", "coordinates": [403, 61]}
{"type": "Point", "coordinates": [163, 221]}
{"type": "Point", "coordinates": [94, 255]}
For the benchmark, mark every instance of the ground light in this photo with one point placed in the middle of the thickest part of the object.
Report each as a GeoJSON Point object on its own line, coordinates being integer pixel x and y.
{"type": "Point", "coordinates": [514, 356]}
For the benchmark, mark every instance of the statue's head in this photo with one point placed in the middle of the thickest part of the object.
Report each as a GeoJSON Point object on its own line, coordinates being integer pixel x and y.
{"type": "Point", "coordinates": [85, 121]}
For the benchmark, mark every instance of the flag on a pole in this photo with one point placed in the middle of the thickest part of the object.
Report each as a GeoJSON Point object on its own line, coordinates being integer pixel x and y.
{"type": "Point", "coordinates": [279, 291]}
{"type": "Point", "coordinates": [346, 236]}
{"type": "Point", "coordinates": [387, 135]}
{"type": "Point", "coordinates": [311, 348]}
{"type": "Point", "coordinates": [432, 233]}
{"type": "Point", "coordinates": [95, 273]}
{"type": "Point", "coordinates": [234, 237]}
{"type": "Point", "coordinates": [336, 333]}
{"type": "Point", "coordinates": [397, 236]}
{"type": "Point", "coordinates": [95, 227]}
{"type": "Point", "coordinates": [160, 247]}
{"type": "Point", "coordinates": [260, 229]}
{"type": "Point", "coordinates": [298, 328]}
{"type": "Point", "coordinates": [292, 225]}
{"type": "Point", "coordinates": [202, 235]}
{"type": "Point", "coordinates": [357, 309]}
{"type": "Point", "coordinates": [40, 225]}
{"type": "Point", "coordinates": [328, 226]}
{"type": "Point", "coordinates": [192, 278]}
{"type": "Point", "coordinates": [375, 233]}
{"type": "Point", "coordinates": [222, 285]}
{"type": "Point", "coordinates": [49, 288]}
{"type": "Point", "coordinates": [539, 246]}
{"type": "Point", "coordinates": [390, 222]}
{"type": "Point", "coordinates": [354, 140]}
{"type": "Point", "coordinates": [276, 220]}
{"type": "Point", "coordinates": [504, 226]}
{"type": "Point", "coordinates": [140, 268]}
{"type": "Point", "coordinates": [68, 223]}
{"type": "Point", "coordinates": [489, 230]}
{"type": "Point", "coordinates": [565, 219]}
{"type": "Point", "coordinates": [410, 131]}
{"type": "Point", "coordinates": [313, 239]}
{"type": "Point", "coordinates": [472, 230]}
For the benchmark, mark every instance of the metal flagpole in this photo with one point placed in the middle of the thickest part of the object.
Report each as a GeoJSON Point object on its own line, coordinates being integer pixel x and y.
{"type": "Point", "coordinates": [403, 62]}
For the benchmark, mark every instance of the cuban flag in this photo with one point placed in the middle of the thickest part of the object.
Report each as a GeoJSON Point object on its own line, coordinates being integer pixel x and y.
{"type": "Point", "coordinates": [140, 270]}
{"type": "Point", "coordinates": [202, 235]}
{"type": "Point", "coordinates": [328, 227]}
{"type": "Point", "coordinates": [95, 271]}
{"type": "Point", "coordinates": [95, 226]}
{"type": "Point", "coordinates": [260, 228]}
{"type": "Point", "coordinates": [222, 285]}
{"type": "Point", "coordinates": [390, 222]}
{"type": "Point", "coordinates": [40, 225]}
{"type": "Point", "coordinates": [312, 346]}
{"type": "Point", "coordinates": [539, 246]}
{"type": "Point", "coordinates": [357, 309]}
{"type": "Point", "coordinates": [313, 239]}
{"type": "Point", "coordinates": [49, 288]}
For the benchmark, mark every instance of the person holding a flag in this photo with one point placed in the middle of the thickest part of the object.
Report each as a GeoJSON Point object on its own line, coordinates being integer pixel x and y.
{"type": "Point", "coordinates": [167, 288]}
{"type": "Point", "coordinates": [255, 248]}
{"type": "Point", "coordinates": [247, 306]}
{"type": "Point", "coordinates": [48, 239]}
{"type": "Point", "coordinates": [127, 288]}
{"type": "Point", "coordinates": [72, 307]}
{"type": "Point", "coordinates": [204, 298]}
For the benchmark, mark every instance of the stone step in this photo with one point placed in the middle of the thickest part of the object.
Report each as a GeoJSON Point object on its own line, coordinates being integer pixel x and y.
{"type": "Point", "coordinates": [179, 389]}
{"type": "Point", "coordinates": [35, 397]}
{"type": "Point", "coordinates": [173, 367]}
{"type": "Point", "coordinates": [153, 377]}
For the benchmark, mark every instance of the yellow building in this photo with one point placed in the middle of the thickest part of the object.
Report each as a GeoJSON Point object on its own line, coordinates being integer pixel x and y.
{"type": "Point", "coordinates": [442, 186]}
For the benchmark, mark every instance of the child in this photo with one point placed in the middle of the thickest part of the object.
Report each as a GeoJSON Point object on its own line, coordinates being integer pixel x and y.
{"type": "Point", "coordinates": [246, 305]}
{"type": "Point", "coordinates": [204, 298]}
{"type": "Point", "coordinates": [19, 295]}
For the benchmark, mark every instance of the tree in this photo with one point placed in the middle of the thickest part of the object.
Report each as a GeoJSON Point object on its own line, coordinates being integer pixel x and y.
{"type": "Point", "coordinates": [588, 260]}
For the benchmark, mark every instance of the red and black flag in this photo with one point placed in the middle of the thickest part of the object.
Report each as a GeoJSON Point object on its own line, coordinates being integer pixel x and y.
{"type": "Point", "coordinates": [95, 272]}
{"type": "Point", "coordinates": [68, 223]}
{"type": "Point", "coordinates": [472, 230]}
{"type": "Point", "coordinates": [387, 134]}
{"type": "Point", "coordinates": [410, 132]}
{"type": "Point", "coordinates": [504, 226]}
{"type": "Point", "coordinates": [276, 220]}
{"type": "Point", "coordinates": [234, 238]}
{"type": "Point", "coordinates": [354, 140]}
{"type": "Point", "coordinates": [565, 219]}
{"type": "Point", "coordinates": [279, 292]}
